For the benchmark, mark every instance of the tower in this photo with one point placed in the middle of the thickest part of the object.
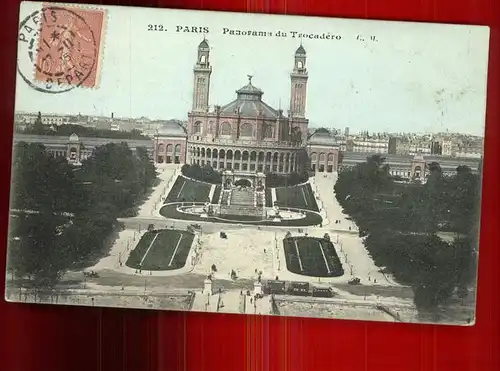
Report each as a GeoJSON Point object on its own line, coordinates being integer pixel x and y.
{"type": "Point", "coordinates": [202, 71]}
{"type": "Point", "coordinates": [298, 79]}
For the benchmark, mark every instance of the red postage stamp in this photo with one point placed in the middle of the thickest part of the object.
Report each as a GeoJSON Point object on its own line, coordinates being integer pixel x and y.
{"type": "Point", "coordinates": [69, 46]}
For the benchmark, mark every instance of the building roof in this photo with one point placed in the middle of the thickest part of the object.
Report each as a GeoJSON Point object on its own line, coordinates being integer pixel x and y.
{"type": "Point", "coordinates": [73, 138]}
{"type": "Point", "coordinates": [250, 89]}
{"type": "Point", "coordinates": [300, 50]}
{"type": "Point", "coordinates": [248, 103]}
{"type": "Point", "coordinates": [203, 45]}
{"type": "Point", "coordinates": [322, 137]}
{"type": "Point", "coordinates": [171, 129]}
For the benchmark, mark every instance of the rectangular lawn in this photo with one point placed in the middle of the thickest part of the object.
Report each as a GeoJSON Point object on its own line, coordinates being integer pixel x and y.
{"type": "Point", "coordinates": [216, 196]}
{"type": "Point", "coordinates": [312, 257]}
{"type": "Point", "coordinates": [187, 190]}
{"type": "Point", "coordinates": [163, 250]}
{"type": "Point", "coordinates": [300, 197]}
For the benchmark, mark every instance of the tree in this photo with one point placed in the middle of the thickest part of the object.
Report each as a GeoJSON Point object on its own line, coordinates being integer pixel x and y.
{"type": "Point", "coordinates": [401, 221]}
{"type": "Point", "coordinates": [203, 174]}
{"type": "Point", "coordinates": [60, 222]}
{"type": "Point", "coordinates": [38, 127]}
{"type": "Point", "coordinates": [39, 253]}
{"type": "Point", "coordinates": [43, 183]}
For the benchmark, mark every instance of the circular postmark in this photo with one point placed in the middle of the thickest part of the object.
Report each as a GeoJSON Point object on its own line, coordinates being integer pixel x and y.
{"type": "Point", "coordinates": [57, 50]}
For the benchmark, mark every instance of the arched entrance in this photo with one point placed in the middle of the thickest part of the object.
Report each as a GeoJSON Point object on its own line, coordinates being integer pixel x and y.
{"type": "Point", "coordinates": [244, 183]}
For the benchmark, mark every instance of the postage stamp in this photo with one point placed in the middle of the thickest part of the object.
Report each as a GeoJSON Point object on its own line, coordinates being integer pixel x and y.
{"type": "Point", "coordinates": [63, 46]}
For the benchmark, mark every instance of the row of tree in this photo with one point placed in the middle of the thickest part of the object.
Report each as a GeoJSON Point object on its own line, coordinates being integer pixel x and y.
{"type": "Point", "coordinates": [210, 175]}
{"type": "Point", "coordinates": [203, 174]}
{"type": "Point", "coordinates": [39, 128]}
{"type": "Point", "coordinates": [62, 216]}
{"type": "Point", "coordinates": [402, 224]}
{"type": "Point", "coordinates": [274, 180]}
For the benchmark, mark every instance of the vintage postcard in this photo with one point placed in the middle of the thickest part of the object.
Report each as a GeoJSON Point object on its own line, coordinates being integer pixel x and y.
{"type": "Point", "coordinates": [243, 163]}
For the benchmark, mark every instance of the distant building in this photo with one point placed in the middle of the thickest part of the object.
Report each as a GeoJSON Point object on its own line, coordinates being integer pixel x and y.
{"type": "Point", "coordinates": [436, 148]}
{"type": "Point", "coordinates": [413, 166]}
{"type": "Point", "coordinates": [367, 144]}
{"type": "Point", "coordinates": [47, 119]}
{"type": "Point", "coordinates": [323, 151]}
{"type": "Point", "coordinates": [76, 149]}
{"type": "Point", "coordinates": [392, 146]}
{"type": "Point", "coordinates": [170, 143]}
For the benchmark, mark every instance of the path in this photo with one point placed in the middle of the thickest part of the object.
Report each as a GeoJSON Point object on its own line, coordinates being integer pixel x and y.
{"type": "Point", "coordinates": [350, 248]}
{"type": "Point", "coordinates": [167, 174]}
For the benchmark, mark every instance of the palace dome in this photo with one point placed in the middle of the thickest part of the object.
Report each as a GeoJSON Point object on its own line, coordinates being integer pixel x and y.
{"type": "Point", "coordinates": [248, 103]}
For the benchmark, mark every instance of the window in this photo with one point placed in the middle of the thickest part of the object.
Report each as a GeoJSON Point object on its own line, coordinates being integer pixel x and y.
{"type": "Point", "coordinates": [246, 130]}
{"type": "Point", "coordinates": [169, 159]}
{"type": "Point", "coordinates": [225, 128]}
{"type": "Point", "coordinates": [197, 127]}
{"type": "Point", "coordinates": [269, 131]}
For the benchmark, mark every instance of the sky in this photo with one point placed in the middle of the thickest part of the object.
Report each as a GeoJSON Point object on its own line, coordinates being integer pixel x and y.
{"type": "Point", "coordinates": [414, 77]}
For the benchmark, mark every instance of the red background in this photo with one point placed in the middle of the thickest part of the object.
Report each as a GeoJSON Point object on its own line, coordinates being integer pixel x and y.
{"type": "Point", "coordinates": [37, 337]}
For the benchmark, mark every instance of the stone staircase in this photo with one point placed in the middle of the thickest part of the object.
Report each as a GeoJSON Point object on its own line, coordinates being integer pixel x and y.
{"type": "Point", "coordinates": [247, 210]}
{"type": "Point", "coordinates": [232, 302]}
{"type": "Point", "coordinates": [243, 197]}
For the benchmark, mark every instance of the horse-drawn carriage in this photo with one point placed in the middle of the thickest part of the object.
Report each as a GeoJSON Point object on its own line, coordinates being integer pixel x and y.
{"type": "Point", "coordinates": [91, 274]}
{"type": "Point", "coordinates": [354, 281]}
